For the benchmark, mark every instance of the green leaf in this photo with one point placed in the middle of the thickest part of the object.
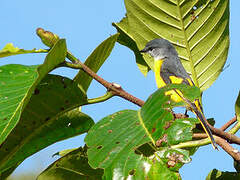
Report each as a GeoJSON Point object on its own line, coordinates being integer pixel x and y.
{"type": "Point", "coordinates": [10, 50]}
{"type": "Point", "coordinates": [198, 29]}
{"type": "Point", "coordinates": [219, 175]}
{"type": "Point", "coordinates": [45, 120]}
{"type": "Point", "coordinates": [74, 165]}
{"type": "Point", "coordinates": [114, 142]}
{"type": "Point", "coordinates": [7, 173]}
{"type": "Point", "coordinates": [95, 61]}
{"type": "Point", "coordinates": [237, 107]}
{"type": "Point", "coordinates": [17, 83]}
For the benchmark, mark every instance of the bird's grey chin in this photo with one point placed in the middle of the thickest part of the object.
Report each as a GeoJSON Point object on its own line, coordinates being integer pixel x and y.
{"type": "Point", "coordinates": [158, 57]}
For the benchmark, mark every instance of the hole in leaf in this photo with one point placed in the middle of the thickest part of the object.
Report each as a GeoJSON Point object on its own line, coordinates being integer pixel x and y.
{"type": "Point", "coordinates": [36, 91]}
{"type": "Point", "coordinates": [47, 118]}
{"type": "Point", "coordinates": [145, 150]}
{"type": "Point", "coordinates": [132, 172]}
{"type": "Point", "coordinates": [99, 147]}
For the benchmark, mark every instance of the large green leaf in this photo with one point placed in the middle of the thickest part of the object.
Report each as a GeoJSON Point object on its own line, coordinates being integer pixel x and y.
{"type": "Point", "coordinates": [198, 29]}
{"type": "Point", "coordinates": [114, 141]}
{"type": "Point", "coordinates": [74, 165]}
{"type": "Point", "coordinates": [95, 61]}
{"type": "Point", "coordinates": [17, 83]}
{"type": "Point", "coordinates": [46, 120]}
{"type": "Point", "coordinates": [10, 50]}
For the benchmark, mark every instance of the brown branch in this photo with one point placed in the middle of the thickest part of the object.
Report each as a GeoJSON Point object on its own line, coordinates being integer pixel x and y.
{"type": "Point", "coordinates": [227, 136]}
{"type": "Point", "coordinates": [199, 135]}
{"type": "Point", "coordinates": [228, 124]}
{"type": "Point", "coordinates": [113, 87]}
{"type": "Point", "coordinates": [228, 148]}
{"type": "Point", "coordinates": [223, 144]}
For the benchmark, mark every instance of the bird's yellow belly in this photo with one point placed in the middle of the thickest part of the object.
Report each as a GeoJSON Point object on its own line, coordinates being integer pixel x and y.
{"type": "Point", "coordinates": [160, 82]}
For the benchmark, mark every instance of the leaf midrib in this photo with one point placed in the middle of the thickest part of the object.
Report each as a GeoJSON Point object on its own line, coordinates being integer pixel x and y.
{"type": "Point", "coordinates": [193, 72]}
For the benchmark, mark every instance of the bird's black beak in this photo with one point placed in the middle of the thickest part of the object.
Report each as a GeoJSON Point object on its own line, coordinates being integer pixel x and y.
{"type": "Point", "coordinates": [143, 50]}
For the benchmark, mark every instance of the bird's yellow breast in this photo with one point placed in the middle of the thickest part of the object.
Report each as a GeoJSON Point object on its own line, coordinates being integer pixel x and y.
{"type": "Point", "coordinates": [161, 83]}
{"type": "Point", "coordinates": [157, 69]}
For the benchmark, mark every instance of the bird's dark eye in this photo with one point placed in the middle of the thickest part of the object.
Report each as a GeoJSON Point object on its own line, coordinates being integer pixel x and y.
{"type": "Point", "coordinates": [150, 49]}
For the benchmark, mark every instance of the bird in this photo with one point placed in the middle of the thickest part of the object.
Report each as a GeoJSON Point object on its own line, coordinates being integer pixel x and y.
{"type": "Point", "coordinates": [168, 69]}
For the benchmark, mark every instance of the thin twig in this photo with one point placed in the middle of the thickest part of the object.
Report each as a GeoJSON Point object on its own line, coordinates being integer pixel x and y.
{"type": "Point", "coordinates": [116, 89]}
{"type": "Point", "coordinates": [228, 148]}
{"type": "Point", "coordinates": [228, 124]}
{"type": "Point", "coordinates": [199, 135]}
{"type": "Point", "coordinates": [227, 136]}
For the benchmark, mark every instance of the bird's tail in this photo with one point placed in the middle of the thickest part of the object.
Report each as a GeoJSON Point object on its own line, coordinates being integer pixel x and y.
{"type": "Point", "coordinates": [197, 110]}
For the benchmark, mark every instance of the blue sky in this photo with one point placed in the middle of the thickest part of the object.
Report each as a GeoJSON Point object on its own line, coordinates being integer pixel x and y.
{"type": "Point", "coordinates": [85, 24]}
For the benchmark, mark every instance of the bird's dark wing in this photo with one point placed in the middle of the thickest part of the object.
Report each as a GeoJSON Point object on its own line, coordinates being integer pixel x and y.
{"type": "Point", "coordinates": [173, 67]}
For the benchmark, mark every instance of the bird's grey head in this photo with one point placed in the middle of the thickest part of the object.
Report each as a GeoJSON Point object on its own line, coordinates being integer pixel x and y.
{"type": "Point", "coordinates": [160, 49]}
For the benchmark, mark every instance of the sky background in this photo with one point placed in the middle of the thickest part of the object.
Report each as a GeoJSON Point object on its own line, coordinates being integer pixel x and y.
{"type": "Point", "coordinates": [85, 24]}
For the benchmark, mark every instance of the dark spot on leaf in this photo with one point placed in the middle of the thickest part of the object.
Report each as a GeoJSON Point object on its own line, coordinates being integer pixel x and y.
{"type": "Point", "coordinates": [109, 131]}
{"type": "Point", "coordinates": [99, 147]}
{"type": "Point", "coordinates": [67, 101]}
{"type": "Point", "coordinates": [57, 165]}
{"type": "Point", "coordinates": [132, 172]}
{"type": "Point", "coordinates": [117, 142]}
{"type": "Point", "coordinates": [6, 149]}
{"type": "Point", "coordinates": [154, 161]}
{"type": "Point", "coordinates": [153, 130]}
{"type": "Point", "coordinates": [5, 118]}
{"type": "Point", "coordinates": [167, 125]}
{"type": "Point", "coordinates": [64, 85]}
{"type": "Point", "coordinates": [144, 136]}
{"type": "Point", "coordinates": [36, 91]}
{"type": "Point", "coordinates": [138, 123]}
{"type": "Point", "coordinates": [62, 108]}
{"type": "Point", "coordinates": [47, 118]}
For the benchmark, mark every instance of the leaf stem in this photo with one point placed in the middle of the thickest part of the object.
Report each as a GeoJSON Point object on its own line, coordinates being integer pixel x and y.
{"type": "Point", "coordinates": [188, 144]}
{"type": "Point", "coordinates": [115, 88]}
{"type": "Point", "coordinates": [103, 98]}
{"type": "Point", "coordinates": [235, 128]}
{"type": "Point", "coordinates": [71, 57]}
